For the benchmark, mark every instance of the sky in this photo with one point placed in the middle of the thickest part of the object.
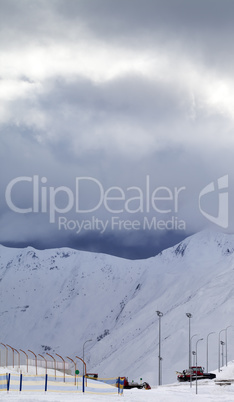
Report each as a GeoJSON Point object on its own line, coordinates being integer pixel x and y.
{"type": "Point", "coordinates": [116, 123]}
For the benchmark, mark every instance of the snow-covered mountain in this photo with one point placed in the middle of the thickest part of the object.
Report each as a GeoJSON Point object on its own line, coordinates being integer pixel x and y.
{"type": "Point", "coordinates": [54, 300]}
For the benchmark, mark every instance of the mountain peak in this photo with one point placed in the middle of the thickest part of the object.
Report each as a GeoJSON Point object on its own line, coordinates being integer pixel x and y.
{"type": "Point", "coordinates": [62, 297]}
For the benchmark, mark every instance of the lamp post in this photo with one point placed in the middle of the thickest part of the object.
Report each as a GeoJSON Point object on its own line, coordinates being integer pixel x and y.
{"type": "Point", "coordinates": [189, 315]}
{"type": "Point", "coordinates": [191, 346]}
{"type": "Point", "coordinates": [160, 314]}
{"type": "Point", "coordinates": [219, 349]}
{"type": "Point", "coordinates": [226, 340]}
{"type": "Point", "coordinates": [201, 339]}
{"type": "Point", "coordinates": [191, 359]}
{"type": "Point", "coordinates": [222, 343]}
{"type": "Point", "coordinates": [194, 354]}
{"type": "Point", "coordinates": [89, 340]}
{"type": "Point", "coordinates": [207, 350]}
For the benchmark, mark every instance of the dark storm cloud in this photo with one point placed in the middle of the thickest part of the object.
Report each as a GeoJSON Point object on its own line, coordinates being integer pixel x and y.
{"type": "Point", "coordinates": [124, 16]}
{"type": "Point", "coordinates": [201, 27]}
{"type": "Point", "coordinates": [198, 27]}
{"type": "Point", "coordinates": [82, 115]}
{"type": "Point", "coordinates": [132, 246]}
{"type": "Point", "coordinates": [134, 100]}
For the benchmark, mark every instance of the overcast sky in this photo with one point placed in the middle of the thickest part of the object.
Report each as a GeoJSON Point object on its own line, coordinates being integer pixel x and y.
{"type": "Point", "coordinates": [132, 94]}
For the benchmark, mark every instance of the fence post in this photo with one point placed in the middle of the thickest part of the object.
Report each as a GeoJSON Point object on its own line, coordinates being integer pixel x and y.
{"type": "Point", "coordinates": [8, 381]}
{"type": "Point", "coordinates": [21, 380]}
{"type": "Point", "coordinates": [83, 386]}
{"type": "Point", "coordinates": [46, 382]}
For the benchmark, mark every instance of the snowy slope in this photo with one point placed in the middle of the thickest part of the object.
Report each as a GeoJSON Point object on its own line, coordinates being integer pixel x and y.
{"type": "Point", "coordinates": [55, 300]}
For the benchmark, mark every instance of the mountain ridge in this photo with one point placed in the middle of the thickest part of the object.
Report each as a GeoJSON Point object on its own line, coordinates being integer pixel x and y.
{"type": "Point", "coordinates": [59, 298]}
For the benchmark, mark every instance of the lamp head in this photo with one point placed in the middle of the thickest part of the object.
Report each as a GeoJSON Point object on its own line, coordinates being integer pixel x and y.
{"type": "Point", "coordinates": [159, 313]}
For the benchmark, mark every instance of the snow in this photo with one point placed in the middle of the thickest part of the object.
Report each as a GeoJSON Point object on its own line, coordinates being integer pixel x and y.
{"type": "Point", "coordinates": [172, 394]}
{"type": "Point", "coordinates": [207, 391]}
{"type": "Point", "coordinates": [54, 300]}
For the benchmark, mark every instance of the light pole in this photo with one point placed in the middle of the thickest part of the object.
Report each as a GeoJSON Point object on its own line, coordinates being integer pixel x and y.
{"type": "Point", "coordinates": [219, 349]}
{"type": "Point", "coordinates": [191, 346]}
{"type": "Point", "coordinates": [226, 340]}
{"type": "Point", "coordinates": [201, 339]}
{"type": "Point", "coordinates": [191, 359]}
{"type": "Point", "coordinates": [89, 340]}
{"type": "Point", "coordinates": [222, 344]}
{"type": "Point", "coordinates": [207, 349]}
{"type": "Point", "coordinates": [159, 347]}
{"type": "Point", "coordinates": [194, 354]}
{"type": "Point", "coordinates": [189, 315]}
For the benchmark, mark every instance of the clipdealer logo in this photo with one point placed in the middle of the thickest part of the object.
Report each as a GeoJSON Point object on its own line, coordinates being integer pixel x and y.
{"type": "Point", "coordinates": [162, 201]}
{"type": "Point", "coordinates": [220, 189]}
{"type": "Point", "coordinates": [118, 202]}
